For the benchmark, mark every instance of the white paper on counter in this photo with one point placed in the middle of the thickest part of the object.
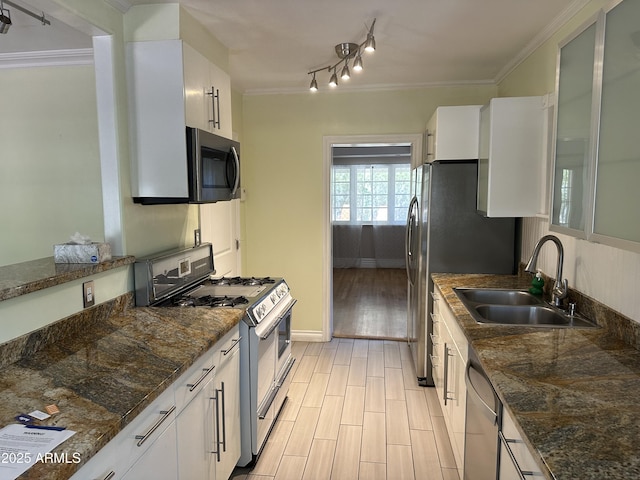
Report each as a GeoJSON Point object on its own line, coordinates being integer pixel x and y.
{"type": "Point", "coordinates": [22, 447]}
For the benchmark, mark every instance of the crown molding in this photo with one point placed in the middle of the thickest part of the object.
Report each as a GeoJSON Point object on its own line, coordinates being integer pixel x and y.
{"type": "Point", "coordinates": [121, 5]}
{"type": "Point", "coordinates": [47, 58]}
{"type": "Point", "coordinates": [541, 38]}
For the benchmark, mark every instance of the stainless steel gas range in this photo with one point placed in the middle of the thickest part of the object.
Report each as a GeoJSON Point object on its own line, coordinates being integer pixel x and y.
{"type": "Point", "coordinates": [185, 278]}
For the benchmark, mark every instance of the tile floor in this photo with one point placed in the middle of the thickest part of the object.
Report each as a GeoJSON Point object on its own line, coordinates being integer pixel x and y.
{"type": "Point", "coordinates": [355, 411]}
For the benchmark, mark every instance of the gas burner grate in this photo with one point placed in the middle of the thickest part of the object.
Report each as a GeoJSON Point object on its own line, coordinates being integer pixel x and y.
{"type": "Point", "coordinates": [210, 301]}
{"type": "Point", "coordinates": [222, 301]}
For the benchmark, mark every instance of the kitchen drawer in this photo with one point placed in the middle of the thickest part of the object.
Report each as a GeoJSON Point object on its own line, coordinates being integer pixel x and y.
{"type": "Point", "coordinates": [123, 450]}
{"type": "Point", "coordinates": [225, 347]}
{"type": "Point", "coordinates": [192, 381]}
{"type": "Point", "coordinates": [455, 332]}
{"type": "Point", "coordinates": [521, 457]}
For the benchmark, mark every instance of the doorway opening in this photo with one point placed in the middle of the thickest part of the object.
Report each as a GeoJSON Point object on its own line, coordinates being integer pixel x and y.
{"type": "Point", "coordinates": [368, 189]}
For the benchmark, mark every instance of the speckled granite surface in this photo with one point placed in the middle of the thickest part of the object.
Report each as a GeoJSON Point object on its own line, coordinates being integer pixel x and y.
{"type": "Point", "coordinates": [27, 277]}
{"type": "Point", "coordinates": [102, 367]}
{"type": "Point", "coordinates": [575, 393]}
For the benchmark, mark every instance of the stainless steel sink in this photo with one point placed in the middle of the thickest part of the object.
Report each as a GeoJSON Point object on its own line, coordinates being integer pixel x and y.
{"type": "Point", "coordinates": [496, 296]}
{"type": "Point", "coordinates": [516, 307]}
{"type": "Point", "coordinates": [530, 315]}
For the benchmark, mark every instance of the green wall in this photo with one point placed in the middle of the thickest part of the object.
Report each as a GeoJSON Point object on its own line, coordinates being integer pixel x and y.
{"type": "Point", "coordinates": [282, 145]}
{"type": "Point", "coordinates": [50, 168]}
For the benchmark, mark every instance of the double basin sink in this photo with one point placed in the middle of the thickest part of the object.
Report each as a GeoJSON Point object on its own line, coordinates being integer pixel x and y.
{"type": "Point", "coordinates": [516, 307]}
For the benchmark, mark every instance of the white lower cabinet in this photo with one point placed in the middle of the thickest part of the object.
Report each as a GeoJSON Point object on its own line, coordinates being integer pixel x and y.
{"type": "Point", "coordinates": [449, 382]}
{"type": "Point", "coordinates": [227, 398]}
{"type": "Point", "coordinates": [180, 434]}
{"type": "Point", "coordinates": [159, 461]}
{"type": "Point", "coordinates": [195, 422]}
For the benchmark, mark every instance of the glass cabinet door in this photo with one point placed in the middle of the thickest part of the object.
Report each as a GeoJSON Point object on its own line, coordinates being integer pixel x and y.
{"type": "Point", "coordinates": [574, 122]}
{"type": "Point", "coordinates": [617, 193]}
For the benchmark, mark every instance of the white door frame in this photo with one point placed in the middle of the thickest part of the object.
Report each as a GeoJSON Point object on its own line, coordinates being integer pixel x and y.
{"type": "Point", "coordinates": [415, 139]}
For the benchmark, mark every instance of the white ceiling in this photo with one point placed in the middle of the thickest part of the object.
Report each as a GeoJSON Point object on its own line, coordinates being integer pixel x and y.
{"type": "Point", "coordinates": [274, 43]}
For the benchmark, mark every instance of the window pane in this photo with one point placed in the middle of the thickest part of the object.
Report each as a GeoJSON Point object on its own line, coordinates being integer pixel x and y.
{"type": "Point", "coordinates": [380, 174]}
{"type": "Point", "coordinates": [380, 200]}
{"type": "Point", "coordinates": [374, 193]}
{"type": "Point", "coordinates": [380, 188]}
{"type": "Point", "coordinates": [363, 215]}
{"type": "Point", "coordinates": [380, 214]}
{"type": "Point", "coordinates": [341, 189]}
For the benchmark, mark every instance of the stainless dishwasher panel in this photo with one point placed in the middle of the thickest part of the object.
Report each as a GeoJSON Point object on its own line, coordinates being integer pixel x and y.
{"type": "Point", "coordinates": [481, 427]}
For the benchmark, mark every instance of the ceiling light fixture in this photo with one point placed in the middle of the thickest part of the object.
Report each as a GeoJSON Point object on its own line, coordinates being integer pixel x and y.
{"type": "Point", "coordinates": [345, 52]}
{"type": "Point", "coordinates": [5, 16]}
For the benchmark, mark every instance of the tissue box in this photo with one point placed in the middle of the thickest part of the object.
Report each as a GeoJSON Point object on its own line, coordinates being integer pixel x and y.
{"type": "Point", "coordinates": [74, 253]}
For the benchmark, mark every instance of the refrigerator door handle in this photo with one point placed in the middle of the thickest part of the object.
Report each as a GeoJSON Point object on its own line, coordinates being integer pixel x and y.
{"type": "Point", "coordinates": [412, 219]}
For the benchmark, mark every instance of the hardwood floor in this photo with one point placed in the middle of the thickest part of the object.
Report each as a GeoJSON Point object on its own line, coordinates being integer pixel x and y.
{"type": "Point", "coordinates": [370, 303]}
{"type": "Point", "coordinates": [355, 411]}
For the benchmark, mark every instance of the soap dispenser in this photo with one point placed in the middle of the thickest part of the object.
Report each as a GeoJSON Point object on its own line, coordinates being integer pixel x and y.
{"type": "Point", "coordinates": [537, 284]}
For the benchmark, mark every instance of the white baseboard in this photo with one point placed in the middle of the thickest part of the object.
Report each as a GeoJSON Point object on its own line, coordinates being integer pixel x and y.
{"type": "Point", "coordinates": [307, 336]}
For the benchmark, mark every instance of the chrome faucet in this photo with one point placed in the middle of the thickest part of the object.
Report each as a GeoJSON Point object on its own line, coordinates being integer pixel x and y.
{"type": "Point", "coordinates": [561, 286]}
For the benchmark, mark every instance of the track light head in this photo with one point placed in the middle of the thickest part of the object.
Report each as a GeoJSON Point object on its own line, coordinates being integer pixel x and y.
{"type": "Point", "coordinates": [357, 64]}
{"type": "Point", "coordinates": [345, 75]}
{"type": "Point", "coordinates": [314, 84]}
{"type": "Point", "coordinates": [333, 82]}
{"type": "Point", "coordinates": [370, 45]}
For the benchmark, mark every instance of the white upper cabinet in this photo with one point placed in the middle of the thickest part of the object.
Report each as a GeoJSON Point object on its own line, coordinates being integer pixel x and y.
{"type": "Point", "coordinates": [207, 94]}
{"type": "Point", "coordinates": [597, 164]}
{"type": "Point", "coordinates": [219, 101]}
{"type": "Point", "coordinates": [452, 133]}
{"type": "Point", "coordinates": [170, 86]}
{"type": "Point", "coordinates": [157, 115]}
{"type": "Point", "coordinates": [510, 157]}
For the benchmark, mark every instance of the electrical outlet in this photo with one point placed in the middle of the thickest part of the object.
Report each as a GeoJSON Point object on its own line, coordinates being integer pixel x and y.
{"type": "Point", "coordinates": [88, 294]}
{"type": "Point", "coordinates": [196, 237]}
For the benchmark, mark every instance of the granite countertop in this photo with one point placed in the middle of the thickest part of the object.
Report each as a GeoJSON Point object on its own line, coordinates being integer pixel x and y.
{"type": "Point", "coordinates": [104, 370]}
{"type": "Point", "coordinates": [574, 393]}
{"type": "Point", "coordinates": [27, 277]}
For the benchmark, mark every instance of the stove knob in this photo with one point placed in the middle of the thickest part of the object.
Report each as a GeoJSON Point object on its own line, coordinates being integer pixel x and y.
{"type": "Point", "coordinates": [274, 297]}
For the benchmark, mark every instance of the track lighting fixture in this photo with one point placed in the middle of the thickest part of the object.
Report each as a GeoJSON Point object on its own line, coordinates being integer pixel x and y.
{"type": "Point", "coordinates": [345, 52]}
{"type": "Point", "coordinates": [5, 15]}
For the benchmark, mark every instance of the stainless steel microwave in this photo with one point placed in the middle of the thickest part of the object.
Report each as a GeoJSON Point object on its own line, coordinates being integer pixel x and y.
{"type": "Point", "coordinates": [213, 164]}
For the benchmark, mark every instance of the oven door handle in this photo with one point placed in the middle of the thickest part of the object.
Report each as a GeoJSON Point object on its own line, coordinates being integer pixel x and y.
{"type": "Point", "coordinates": [266, 405]}
{"type": "Point", "coordinates": [288, 308]}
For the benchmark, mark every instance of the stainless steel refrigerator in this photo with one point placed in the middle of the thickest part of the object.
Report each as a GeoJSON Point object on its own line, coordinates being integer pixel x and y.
{"type": "Point", "coordinates": [445, 234]}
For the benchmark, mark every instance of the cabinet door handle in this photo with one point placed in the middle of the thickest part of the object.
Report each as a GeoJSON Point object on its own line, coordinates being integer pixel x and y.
{"type": "Point", "coordinates": [235, 342]}
{"type": "Point", "coordinates": [445, 389]}
{"type": "Point", "coordinates": [215, 106]}
{"type": "Point", "coordinates": [165, 414]}
{"type": "Point", "coordinates": [216, 421]}
{"type": "Point", "coordinates": [224, 419]}
{"type": "Point", "coordinates": [218, 107]}
{"type": "Point", "coordinates": [193, 386]}
{"type": "Point", "coordinates": [109, 475]}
